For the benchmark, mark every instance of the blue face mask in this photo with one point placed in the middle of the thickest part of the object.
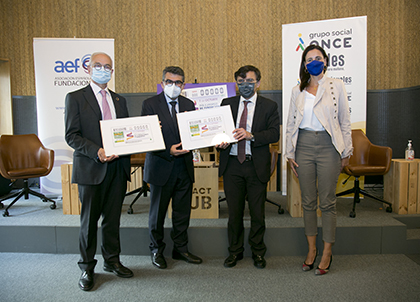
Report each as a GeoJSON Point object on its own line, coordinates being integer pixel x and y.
{"type": "Point", "coordinates": [315, 67]}
{"type": "Point", "coordinates": [101, 76]}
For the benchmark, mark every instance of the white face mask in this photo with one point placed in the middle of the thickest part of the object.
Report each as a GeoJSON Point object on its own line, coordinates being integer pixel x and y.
{"type": "Point", "coordinates": [172, 91]}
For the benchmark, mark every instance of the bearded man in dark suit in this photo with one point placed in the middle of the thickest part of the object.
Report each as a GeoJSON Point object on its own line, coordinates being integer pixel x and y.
{"type": "Point", "coordinates": [101, 179]}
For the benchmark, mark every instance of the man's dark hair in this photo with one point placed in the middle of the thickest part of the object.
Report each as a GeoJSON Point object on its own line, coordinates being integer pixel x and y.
{"type": "Point", "coordinates": [174, 70]}
{"type": "Point", "coordinates": [245, 69]}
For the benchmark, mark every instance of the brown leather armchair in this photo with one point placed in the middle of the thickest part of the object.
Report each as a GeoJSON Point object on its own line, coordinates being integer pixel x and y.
{"type": "Point", "coordinates": [137, 160]}
{"type": "Point", "coordinates": [24, 157]}
{"type": "Point", "coordinates": [367, 159]}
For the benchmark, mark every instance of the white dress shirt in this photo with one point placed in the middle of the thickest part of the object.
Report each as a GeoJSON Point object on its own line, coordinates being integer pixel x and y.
{"type": "Point", "coordinates": [169, 100]}
{"type": "Point", "coordinates": [249, 120]}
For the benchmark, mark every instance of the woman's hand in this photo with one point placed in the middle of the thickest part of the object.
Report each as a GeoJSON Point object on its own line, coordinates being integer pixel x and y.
{"type": "Point", "coordinates": [292, 165]}
{"type": "Point", "coordinates": [344, 162]}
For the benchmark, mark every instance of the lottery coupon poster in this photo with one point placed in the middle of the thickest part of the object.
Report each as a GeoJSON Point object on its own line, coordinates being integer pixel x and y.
{"type": "Point", "coordinates": [205, 128]}
{"type": "Point", "coordinates": [132, 135]}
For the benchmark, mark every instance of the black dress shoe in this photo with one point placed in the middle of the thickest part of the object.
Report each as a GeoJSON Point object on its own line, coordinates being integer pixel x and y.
{"type": "Point", "coordinates": [86, 280]}
{"type": "Point", "coordinates": [259, 261]}
{"type": "Point", "coordinates": [187, 257]}
{"type": "Point", "coordinates": [118, 269]}
{"type": "Point", "coordinates": [158, 260]}
{"type": "Point", "coordinates": [233, 259]}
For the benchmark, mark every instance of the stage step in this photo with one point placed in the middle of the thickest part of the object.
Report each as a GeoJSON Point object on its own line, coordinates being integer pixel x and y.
{"type": "Point", "coordinates": [34, 228]}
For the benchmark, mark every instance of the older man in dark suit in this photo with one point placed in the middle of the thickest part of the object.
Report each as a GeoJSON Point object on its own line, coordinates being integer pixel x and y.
{"type": "Point", "coordinates": [101, 179]}
{"type": "Point", "coordinates": [245, 166]}
{"type": "Point", "coordinates": [169, 172]}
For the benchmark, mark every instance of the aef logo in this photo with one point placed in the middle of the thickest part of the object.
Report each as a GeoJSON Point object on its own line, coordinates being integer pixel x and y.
{"type": "Point", "coordinates": [72, 66]}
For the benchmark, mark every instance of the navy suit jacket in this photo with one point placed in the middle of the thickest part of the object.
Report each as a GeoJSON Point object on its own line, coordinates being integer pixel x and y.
{"type": "Point", "coordinates": [83, 134]}
{"type": "Point", "coordinates": [266, 130]}
{"type": "Point", "coordinates": [159, 164]}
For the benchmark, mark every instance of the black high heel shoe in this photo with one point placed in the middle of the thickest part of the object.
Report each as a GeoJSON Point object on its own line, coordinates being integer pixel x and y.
{"type": "Point", "coordinates": [320, 271]}
{"type": "Point", "coordinates": [308, 267]}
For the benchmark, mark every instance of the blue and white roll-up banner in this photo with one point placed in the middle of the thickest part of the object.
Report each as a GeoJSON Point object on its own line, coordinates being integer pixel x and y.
{"type": "Point", "coordinates": [345, 42]}
{"type": "Point", "coordinates": [61, 67]}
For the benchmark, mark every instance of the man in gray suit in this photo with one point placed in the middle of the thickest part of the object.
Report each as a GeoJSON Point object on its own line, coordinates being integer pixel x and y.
{"type": "Point", "coordinates": [101, 179]}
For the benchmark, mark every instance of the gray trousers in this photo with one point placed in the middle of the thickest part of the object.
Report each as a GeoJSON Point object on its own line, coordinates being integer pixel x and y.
{"type": "Point", "coordinates": [319, 168]}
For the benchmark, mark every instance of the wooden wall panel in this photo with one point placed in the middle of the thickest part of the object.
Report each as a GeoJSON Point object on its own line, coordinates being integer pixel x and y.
{"type": "Point", "coordinates": [6, 116]}
{"type": "Point", "coordinates": [209, 39]}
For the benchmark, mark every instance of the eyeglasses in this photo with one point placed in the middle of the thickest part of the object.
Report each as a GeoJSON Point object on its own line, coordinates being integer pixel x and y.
{"type": "Point", "coordinates": [317, 58]}
{"type": "Point", "coordinates": [106, 67]}
{"type": "Point", "coordinates": [177, 83]}
{"type": "Point", "coordinates": [241, 81]}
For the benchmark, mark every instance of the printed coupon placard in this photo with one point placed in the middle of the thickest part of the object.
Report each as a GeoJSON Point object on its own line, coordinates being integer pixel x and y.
{"type": "Point", "coordinates": [205, 128]}
{"type": "Point", "coordinates": [132, 135]}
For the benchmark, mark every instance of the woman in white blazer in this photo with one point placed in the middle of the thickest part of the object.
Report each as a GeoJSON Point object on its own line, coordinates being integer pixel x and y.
{"type": "Point", "coordinates": [318, 146]}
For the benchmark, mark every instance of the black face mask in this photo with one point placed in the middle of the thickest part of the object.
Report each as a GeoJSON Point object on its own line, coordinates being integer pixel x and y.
{"type": "Point", "coordinates": [246, 89]}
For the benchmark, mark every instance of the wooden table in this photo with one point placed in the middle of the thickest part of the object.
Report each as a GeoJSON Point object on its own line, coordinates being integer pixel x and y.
{"type": "Point", "coordinates": [402, 186]}
{"type": "Point", "coordinates": [205, 197]}
{"type": "Point", "coordinates": [71, 202]}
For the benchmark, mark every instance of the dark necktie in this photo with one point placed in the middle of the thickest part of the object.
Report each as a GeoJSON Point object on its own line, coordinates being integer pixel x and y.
{"type": "Point", "coordinates": [242, 124]}
{"type": "Point", "coordinates": [173, 113]}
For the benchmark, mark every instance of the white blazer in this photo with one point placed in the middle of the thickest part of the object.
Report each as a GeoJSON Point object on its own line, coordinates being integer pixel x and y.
{"type": "Point", "coordinates": [332, 110]}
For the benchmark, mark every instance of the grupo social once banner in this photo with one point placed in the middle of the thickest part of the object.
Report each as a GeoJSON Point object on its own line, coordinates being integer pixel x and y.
{"type": "Point", "coordinates": [61, 67]}
{"type": "Point", "coordinates": [345, 42]}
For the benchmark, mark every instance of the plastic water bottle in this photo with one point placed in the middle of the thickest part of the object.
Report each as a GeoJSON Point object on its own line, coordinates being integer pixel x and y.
{"type": "Point", "coordinates": [409, 151]}
{"type": "Point", "coordinates": [196, 156]}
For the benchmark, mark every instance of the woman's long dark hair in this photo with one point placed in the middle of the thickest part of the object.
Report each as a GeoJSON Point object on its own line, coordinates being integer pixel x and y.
{"type": "Point", "coordinates": [303, 74]}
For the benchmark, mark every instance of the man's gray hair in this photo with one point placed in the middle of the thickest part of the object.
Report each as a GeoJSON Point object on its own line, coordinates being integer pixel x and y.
{"type": "Point", "coordinates": [100, 53]}
{"type": "Point", "coordinates": [174, 70]}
